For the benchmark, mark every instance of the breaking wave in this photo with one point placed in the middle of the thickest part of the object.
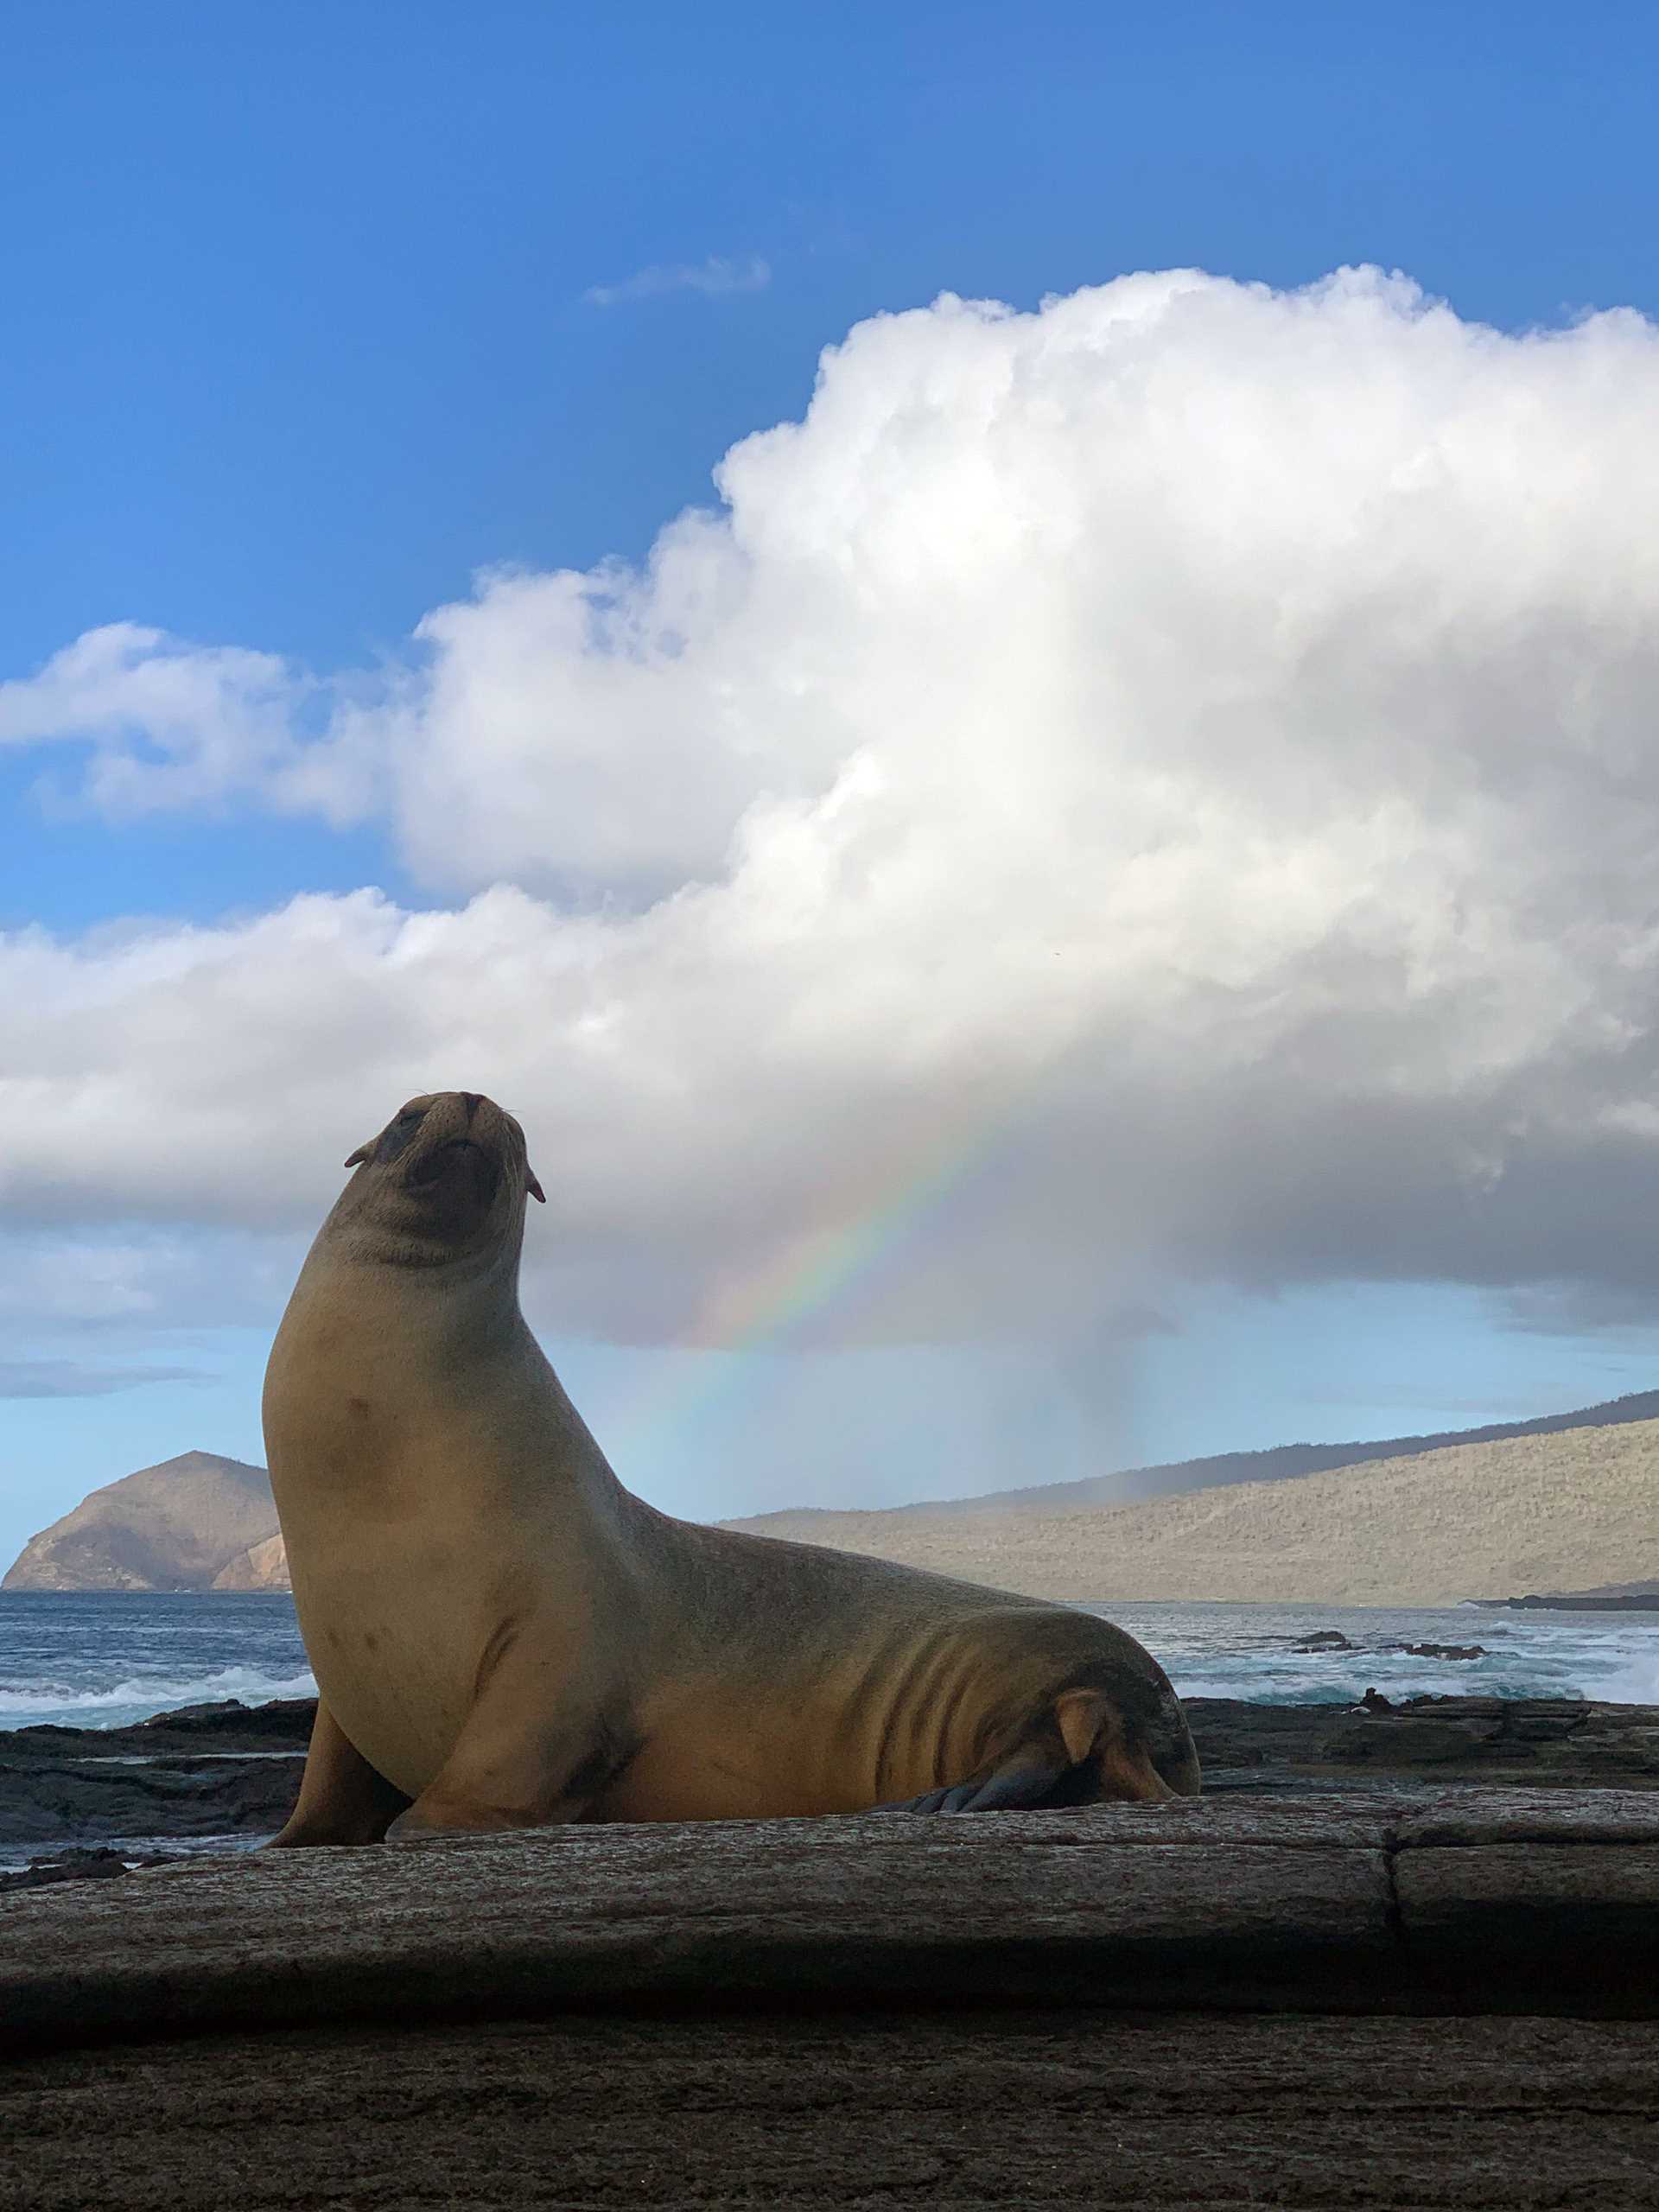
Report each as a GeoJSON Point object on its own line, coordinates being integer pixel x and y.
{"type": "Point", "coordinates": [1637, 1684]}
{"type": "Point", "coordinates": [137, 1696]}
{"type": "Point", "coordinates": [102, 1660]}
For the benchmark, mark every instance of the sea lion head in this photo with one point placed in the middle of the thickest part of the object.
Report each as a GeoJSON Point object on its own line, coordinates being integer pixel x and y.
{"type": "Point", "coordinates": [446, 1179]}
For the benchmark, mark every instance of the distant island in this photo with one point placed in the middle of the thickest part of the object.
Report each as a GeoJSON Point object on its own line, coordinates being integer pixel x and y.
{"type": "Point", "coordinates": [1564, 1508]}
{"type": "Point", "coordinates": [199, 1522]}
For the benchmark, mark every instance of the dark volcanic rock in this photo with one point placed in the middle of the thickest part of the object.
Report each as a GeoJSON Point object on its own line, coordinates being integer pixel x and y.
{"type": "Point", "coordinates": [96, 1865]}
{"type": "Point", "coordinates": [806, 2108]}
{"type": "Point", "coordinates": [1179, 2004]}
{"type": "Point", "coordinates": [1323, 1639]}
{"type": "Point", "coordinates": [207, 1770]}
{"type": "Point", "coordinates": [282, 1725]}
{"type": "Point", "coordinates": [1567, 1742]}
{"type": "Point", "coordinates": [49, 1801]}
{"type": "Point", "coordinates": [228, 1727]}
{"type": "Point", "coordinates": [231, 1769]}
{"type": "Point", "coordinates": [1639, 1597]}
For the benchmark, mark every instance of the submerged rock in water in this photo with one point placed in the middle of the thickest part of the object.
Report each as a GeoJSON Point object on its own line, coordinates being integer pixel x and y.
{"type": "Point", "coordinates": [1323, 1639]}
{"type": "Point", "coordinates": [99, 1866]}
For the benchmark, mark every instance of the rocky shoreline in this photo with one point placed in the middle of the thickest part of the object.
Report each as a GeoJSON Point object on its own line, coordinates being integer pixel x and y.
{"type": "Point", "coordinates": [1557, 1742]}
{"type": "Point", "coordinates": [81, 1803]}
{"type": "Point", "coordinates": [84, 1802]}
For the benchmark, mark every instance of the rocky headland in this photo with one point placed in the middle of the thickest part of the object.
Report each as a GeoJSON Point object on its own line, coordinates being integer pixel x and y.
{"type": "Point", "coordinates": [262, 1566]}
{"type": "Point", "coordinates": [199, 1522]}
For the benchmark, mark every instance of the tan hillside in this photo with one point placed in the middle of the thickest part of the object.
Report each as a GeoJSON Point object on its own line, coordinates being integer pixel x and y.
{"type": "Point", "coordinates": [171, 1527]}
{"type": "Point", "coordinates": [264, 1567]}
{"type": "Point", "coordinates": [1565, 1511]}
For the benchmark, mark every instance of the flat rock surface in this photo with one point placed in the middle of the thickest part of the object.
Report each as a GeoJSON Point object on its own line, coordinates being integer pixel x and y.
{"type": "Point", "coordinates": [1213, 2003]}
{"type": "Point", "coordinates": [1485, 1902]}
{"type": "Point", "coordinates": [965, 2111]}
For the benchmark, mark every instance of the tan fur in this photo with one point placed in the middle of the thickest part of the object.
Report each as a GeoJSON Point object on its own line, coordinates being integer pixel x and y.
{"type": "Point", "coordinates": [503, 1635]}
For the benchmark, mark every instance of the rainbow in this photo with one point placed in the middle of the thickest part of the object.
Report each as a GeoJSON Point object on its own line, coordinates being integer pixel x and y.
{"type": "Point", "coordinates": [748, 1318]}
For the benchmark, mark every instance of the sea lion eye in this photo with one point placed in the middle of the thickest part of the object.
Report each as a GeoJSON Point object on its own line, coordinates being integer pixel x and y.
{"type": "Point", "coordinates": [391, 1140]}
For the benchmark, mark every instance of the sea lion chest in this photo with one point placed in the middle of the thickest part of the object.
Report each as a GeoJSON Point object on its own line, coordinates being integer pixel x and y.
{"type": "Point", "coordinates": [395, 1630]}
{"type": "Point", "coordinates": [411, 1537]}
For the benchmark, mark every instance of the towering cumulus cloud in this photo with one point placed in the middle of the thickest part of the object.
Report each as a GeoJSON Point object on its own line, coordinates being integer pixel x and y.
{"type": "Point", "coordinates": [1161, 786]}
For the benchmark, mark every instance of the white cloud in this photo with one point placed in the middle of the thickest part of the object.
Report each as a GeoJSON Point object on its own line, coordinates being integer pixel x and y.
{"type": "Point", "coordinates": [139, 1281]}
{"type": "Point", "coordinates": [715, 278]}
{"type": "Point", "coordinates": [167, 724]}
{"type": "Point", "coordinates": [1163, 786]}
{"type": "Point", "coordinates": [66, 1378]}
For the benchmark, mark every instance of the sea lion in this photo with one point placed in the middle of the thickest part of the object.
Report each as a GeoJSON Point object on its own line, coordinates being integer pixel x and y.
{"type": "Point", "coordinates": [504, 1636]}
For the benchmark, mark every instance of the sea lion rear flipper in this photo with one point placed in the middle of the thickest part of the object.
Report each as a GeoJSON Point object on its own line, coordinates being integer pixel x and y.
{"type": "Point", "coordinates": [1021, 1787]}
{"type": "Point", "coordinates": [1078, 1755]}
{"type": "Point", "coordinates": [342, 1798]}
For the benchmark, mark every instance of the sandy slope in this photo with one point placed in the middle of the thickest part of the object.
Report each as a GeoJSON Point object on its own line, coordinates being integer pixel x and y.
{"type": "Point", "coordinates": [1565, 1511]}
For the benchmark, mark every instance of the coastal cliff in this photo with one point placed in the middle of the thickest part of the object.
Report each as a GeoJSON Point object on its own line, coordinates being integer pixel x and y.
{"type": "Point", "coordinates": [262, 1566]}
{"type": "Point", "coordinates": [176, 1526]}
{"type": "Point", "coordinates": [1576, 1510]}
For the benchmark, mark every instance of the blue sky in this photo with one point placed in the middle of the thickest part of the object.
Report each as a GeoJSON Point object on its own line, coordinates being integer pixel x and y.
{"type": "Point", "coordinates": [301, 336]}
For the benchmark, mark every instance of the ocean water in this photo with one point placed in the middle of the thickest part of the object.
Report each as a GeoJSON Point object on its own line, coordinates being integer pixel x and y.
{"type": "Point", "coordinates": [1248, 1651]}
{"type": "Point", "coordinates": [101, 1661]}
{"type": "Point", "coordinates": [98, 1662]}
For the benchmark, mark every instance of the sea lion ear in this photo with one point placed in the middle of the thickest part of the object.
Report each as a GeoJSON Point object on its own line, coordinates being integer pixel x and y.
{"type": "Point", "coordinates": [361, 1155]}
{"type": "Point", "coordinates": [533, 1186]}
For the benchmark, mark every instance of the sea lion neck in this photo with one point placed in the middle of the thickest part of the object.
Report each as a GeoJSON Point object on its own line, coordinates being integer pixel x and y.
{"type": "Point", "coordinates": [378, 1237]}
{"type": "Point", "coordinates": [454, 1306]}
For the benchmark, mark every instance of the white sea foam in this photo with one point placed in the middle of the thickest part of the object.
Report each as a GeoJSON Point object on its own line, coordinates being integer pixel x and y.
{"type": "Point", "coordinates": [137, 1696]}
{"type": "Point", "coordinates": [1635, 1684]}
{"type": "Point", "coordinates": [1251, 1652]}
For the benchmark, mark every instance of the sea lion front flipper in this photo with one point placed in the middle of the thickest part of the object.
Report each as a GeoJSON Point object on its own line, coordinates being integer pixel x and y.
{"type": "Point", "coordinates": [516, 1766]}
{"type": "Point", "coordinates": [539, 1781]}
{"type": "Point", "coordinates": [342, 1798]}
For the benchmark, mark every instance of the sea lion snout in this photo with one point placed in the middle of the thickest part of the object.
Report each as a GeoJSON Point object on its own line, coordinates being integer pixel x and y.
{"type": "Point", "coordinates": [456, 1146]}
